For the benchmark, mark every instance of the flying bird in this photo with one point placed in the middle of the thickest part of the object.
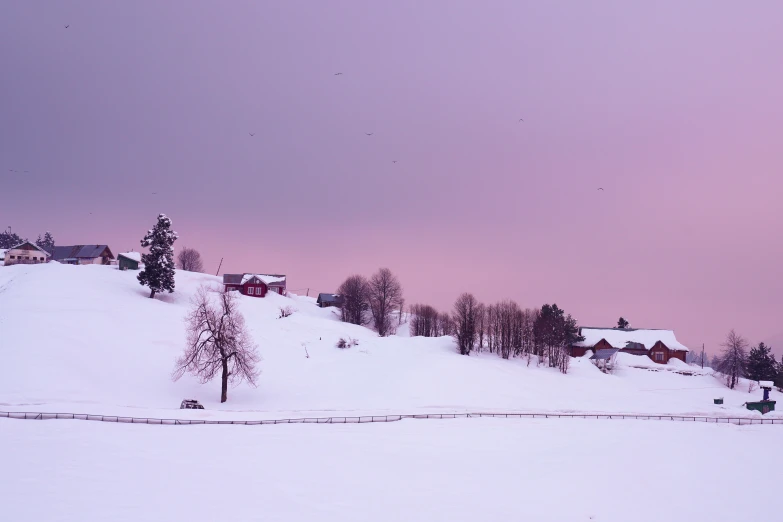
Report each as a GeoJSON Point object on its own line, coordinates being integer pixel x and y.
{"type": "Point", "coordinates": [338, 74]}
{"type": "Point", "coordinates": [369, 133]}
{"type": "Point", "coordinates": [520, 119]}
{"type": "Point", "coordinates": [600, 188]}
{"type": "Point", "coordinates": [67, 26]}
{"type": "Point", "coordinates": [394, 161]}
{"type": "Point", "coordinates": [252, 133]}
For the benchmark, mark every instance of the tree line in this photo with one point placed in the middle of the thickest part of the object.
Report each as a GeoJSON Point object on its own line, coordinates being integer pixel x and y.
{"type": "Point", "coordinates": [756, 364]}
{"type": "Point", "coordinates": [9, 239]}
{"type": "Point", "coordinates": [502, 328]}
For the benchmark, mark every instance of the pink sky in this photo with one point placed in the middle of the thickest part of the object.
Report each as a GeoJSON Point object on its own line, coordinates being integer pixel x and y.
{"type": "Point", "coordinates": [674, 108]}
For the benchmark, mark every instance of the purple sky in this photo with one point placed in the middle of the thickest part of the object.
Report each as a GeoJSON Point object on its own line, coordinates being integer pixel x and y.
{"type": "Point", "coordinates": [674, 108]}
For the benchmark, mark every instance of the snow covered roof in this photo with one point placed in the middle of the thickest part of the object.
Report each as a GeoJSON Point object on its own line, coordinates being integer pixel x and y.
{"type": "Point", "coordinates": [618, 338]}
{"type": "Point", "coordinates": [766, 384]}
{"type": "Point", "coordinates": [31, 244]}
{"type": "Point", "coordinates": [329, 298]}
{"type": "Point", "coordinates": [134, 256]}
{"type": "Point", "coordinates": [241, 279]}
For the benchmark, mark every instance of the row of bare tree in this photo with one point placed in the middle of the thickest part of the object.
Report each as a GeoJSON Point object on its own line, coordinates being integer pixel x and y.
{"type": "Point", "coordinates": [503, 328]}
{"type": "Point", "coordinates": [375, 300]}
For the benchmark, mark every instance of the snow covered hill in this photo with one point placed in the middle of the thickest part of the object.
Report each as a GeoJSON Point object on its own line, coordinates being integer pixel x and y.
{"type": "Point", "coordinates": [86, 339]}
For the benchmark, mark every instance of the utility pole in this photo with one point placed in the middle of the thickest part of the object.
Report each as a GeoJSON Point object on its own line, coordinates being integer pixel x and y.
{"type": "Point", "coordinates": [221, 264]}
{"type": "Point", "coordinates": [702, 356]}
{"type": "Point", "coordinates": [308, 292]}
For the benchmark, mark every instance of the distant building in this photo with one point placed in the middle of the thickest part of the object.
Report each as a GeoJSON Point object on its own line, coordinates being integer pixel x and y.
{"type": "Point", "coordinates": [82, 255]}
{"type": "Point", "coordinates": [129, 260]}
{"type": "Point", "coordinates": [255, 285]}
{"type": "Point", "coordinates": [325, 300]}
{"type": "Point", "coordinates": [658, 345]}
{"type": "Point", "coordinates": [25, 254]}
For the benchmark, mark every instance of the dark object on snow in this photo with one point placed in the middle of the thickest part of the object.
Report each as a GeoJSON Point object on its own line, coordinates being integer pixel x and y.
{"type": "Point", "coordinates": [325, 300]}
{"type": "Point", "coordinates": [765, 405]}
{"type": "Point", "coordinates": [717, 401]}
{"type": "Point", "coordinates": [190, 404]}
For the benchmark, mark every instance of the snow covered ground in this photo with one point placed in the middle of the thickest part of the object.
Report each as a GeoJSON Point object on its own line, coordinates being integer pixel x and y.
{"type": "Point", "coordinates": [455, 470]}
{"type": "Point", "coordinates": [86, 339]}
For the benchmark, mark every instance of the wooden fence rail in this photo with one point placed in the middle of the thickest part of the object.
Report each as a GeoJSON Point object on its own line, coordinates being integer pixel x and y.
{"type": "Point", "coordinates": [385, 418]}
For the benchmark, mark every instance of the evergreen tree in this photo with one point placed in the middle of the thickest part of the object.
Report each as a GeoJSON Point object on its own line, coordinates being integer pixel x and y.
{"type": "Point", "coordinates": [622, 323]}
{"type": "Point", "coordinates": [9, 239]}
{"type": "Point", "coordinates": [779, 376]}
{"type": "Point", "coordinates": [158, 273]}
{"type": "Point", "coordinates": [762, 365]}
{"type": "Point", "coordinates": [47, 243]}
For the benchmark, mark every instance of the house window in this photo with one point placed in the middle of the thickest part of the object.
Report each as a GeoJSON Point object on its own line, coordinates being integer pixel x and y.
{"type": "Point", "coordinates": [251, 290]}
{"type": "Point", "coordinates": [12, 257]}
{"type": "Point", "coordinates": [658, 357]}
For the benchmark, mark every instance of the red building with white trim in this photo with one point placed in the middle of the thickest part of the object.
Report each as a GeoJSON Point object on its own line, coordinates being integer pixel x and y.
{"type": "Point", "coordinates": [658, 345]}
{"type": "Point", "coordinates": [255, 285]}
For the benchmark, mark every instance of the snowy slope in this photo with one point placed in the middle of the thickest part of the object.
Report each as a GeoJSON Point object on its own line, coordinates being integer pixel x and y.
{"type": "Point", "coordinates": [87, 339]}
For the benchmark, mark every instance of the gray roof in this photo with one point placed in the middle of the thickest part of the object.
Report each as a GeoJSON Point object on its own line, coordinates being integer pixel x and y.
{"type": "Point", "coordinates": [80, 252]}
{"type": "Point", "coordinates": [330, 298]}
{"type": "Point", "coordinates": [604, 353]}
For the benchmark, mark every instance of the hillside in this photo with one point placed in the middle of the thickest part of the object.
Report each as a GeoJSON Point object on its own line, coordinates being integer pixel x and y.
{"type": "Point", "coordinates": [87, 339]}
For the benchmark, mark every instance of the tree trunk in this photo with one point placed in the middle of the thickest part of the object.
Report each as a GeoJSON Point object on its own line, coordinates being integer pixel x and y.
{"type": "Point", "coordinates": [152, 294]}
{"type": "Point", "coordinates": [224, 385]}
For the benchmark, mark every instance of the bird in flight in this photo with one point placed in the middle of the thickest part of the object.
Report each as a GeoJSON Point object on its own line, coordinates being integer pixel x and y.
{"type": "Point", "coordinates": [601, 188]}
{"type": "Point", "coordinates": [394, 161]}
{"type": "Point", "coordinates": [252, 133]}
{"type": "Point", "coordinates": [369, 133]}
{"type": "Point", "coordinates": [520, 119]}
{"type": "Point", "coordinates": [154, 192]}
{"type": "Point", "coordinates": [338, 74]}
{"type": "Point", "coordinates": [67, 26]}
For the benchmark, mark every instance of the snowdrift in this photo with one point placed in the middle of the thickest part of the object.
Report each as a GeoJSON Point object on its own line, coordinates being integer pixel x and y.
{"type": "Point", "coordinates": [87, 339]}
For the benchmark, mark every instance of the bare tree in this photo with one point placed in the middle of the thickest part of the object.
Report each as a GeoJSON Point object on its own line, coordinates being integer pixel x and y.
{"type": "Point", "coordinates": [354, 292]}
{"type": "Point", "coordinates": [384, 297]}
{"type": "Point", "coordinates": [217, 342]}
{"type": "Point", "coordinates": [189, 259]}
{"type": "Point", "coordinates": [465, 311]}
{"type": "Point", "coordinates": [733, 361]}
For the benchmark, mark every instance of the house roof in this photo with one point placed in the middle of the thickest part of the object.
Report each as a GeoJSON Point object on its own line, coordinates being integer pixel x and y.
{"type": "Point", "coordinates": [133, 256]}
{"type": "Point", "coordinates": [79, 252]}
{"type": "Point", "coordinates": [604, 353]}
{"type": "Point", "coordinates": [619, 338]}
{"type": "Point", "coordinates": [36, 247]}
{"type": "Point", "coordinates": [330, 298]}
{"type": "Point", "coordinates": [241, 279]}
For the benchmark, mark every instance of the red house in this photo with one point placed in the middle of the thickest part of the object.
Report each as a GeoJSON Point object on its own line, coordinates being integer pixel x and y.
{"type": "Point", "coordinates": [658, 345]}
{"type": "Point", "coordinates": [254, 285]}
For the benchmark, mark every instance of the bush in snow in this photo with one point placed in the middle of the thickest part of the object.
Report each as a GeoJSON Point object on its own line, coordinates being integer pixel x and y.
{"type": "Point", "coordinates": [354, 291]}
{"type": "Point", "coordinates": [346, 343]}
{"type": "Point", "coordinates": [158, 273]}
{"type": "Point", "coordinates": [218, 342]}
{"type": "Point", "coordinates": [286, 311]}
{"type": "Point", "coordinates": [189, 259]}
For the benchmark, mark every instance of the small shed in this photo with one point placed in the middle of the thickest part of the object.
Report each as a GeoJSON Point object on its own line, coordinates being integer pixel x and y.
{"type": "Point", "coordinates": [326, 300]}
{"type": "Point", "coordinates": [604, 359]}
{"type": "Point", "coordinates": [129, 260]}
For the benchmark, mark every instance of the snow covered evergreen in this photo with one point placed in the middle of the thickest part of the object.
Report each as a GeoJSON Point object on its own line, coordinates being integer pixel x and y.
{"type": "Point", "coordinates": [158, 273]}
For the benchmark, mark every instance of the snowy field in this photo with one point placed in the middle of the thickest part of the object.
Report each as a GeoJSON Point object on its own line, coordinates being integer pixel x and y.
{"type": "Point", "coordinates": [416, 470]}
{"type": "Point", "coordinates": [86, 339]}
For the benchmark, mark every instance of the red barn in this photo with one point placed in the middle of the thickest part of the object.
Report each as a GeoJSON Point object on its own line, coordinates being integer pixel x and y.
{"type": "Point", "coordinates": [658, 345]}
{"type": "Point", "coordinates": [254, 285]}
